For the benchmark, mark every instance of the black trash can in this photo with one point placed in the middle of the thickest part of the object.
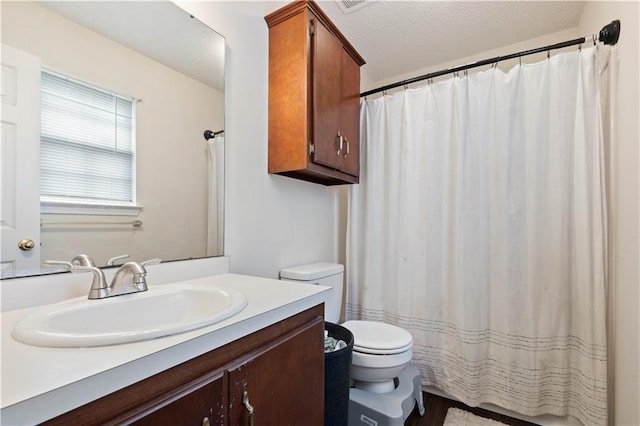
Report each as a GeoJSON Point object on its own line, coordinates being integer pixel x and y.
{"type": "Point", "coordinates": [336, 377]}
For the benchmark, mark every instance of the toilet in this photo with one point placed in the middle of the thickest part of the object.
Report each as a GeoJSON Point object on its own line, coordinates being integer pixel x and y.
{"type": "Point", "coordinates": [385, 385]}
{"type": "Point", "coordinates": [380, 352]}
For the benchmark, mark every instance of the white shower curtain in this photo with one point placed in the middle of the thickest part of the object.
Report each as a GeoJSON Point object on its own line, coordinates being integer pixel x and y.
{"type": "Point", "coordinates": [215, 229]}
{"type": "Point", "coordinates": [479, 226]}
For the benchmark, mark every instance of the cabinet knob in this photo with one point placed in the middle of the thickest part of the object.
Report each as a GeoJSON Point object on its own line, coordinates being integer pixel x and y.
{"type": "Point", "coordinates": [248, 406]}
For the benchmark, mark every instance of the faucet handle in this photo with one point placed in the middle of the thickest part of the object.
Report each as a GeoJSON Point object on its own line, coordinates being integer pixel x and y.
{"type": "Point", "coordinates": [99, 287]}
{"type": "Point", "coordinates": [59, 263]}
{"type": "Point", "coordinates": [114, 259]}
{"type": "Point", "coordinates": [82, 260]}
{"type": "Point", "coordinates": [154, 261]}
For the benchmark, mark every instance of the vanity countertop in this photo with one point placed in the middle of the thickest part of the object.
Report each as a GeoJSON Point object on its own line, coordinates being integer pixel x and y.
{"type": "Point", "coordinates": [40, 383]}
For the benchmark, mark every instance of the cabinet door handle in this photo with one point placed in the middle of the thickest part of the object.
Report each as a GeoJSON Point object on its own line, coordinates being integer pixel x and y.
{"type": "Point", "coordinates": [248, 406]}
{"type": "Point", "coordinates": [340, 143]}
{"type": "Point", "coordinates": [347, 150]}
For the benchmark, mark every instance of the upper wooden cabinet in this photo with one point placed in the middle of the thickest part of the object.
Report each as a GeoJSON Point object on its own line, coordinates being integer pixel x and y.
{"type": "Point", "coordinates": [314, 97]}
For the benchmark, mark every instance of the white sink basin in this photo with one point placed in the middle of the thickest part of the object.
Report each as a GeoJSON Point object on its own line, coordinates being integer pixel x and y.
{"type": "Point", "coordinates": [160, 311]}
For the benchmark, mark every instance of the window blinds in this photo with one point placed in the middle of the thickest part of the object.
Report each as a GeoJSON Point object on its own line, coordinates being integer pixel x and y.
{"type": "Point", "coordinates": [87, 142]}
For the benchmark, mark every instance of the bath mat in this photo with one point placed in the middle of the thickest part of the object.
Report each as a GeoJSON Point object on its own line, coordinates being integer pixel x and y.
{"type": "Point", "coordinates": [457, 417]}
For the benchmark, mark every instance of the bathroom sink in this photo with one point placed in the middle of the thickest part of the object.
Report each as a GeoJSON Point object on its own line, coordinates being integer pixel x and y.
{"type": "Point", "coordinates": [160, 311]}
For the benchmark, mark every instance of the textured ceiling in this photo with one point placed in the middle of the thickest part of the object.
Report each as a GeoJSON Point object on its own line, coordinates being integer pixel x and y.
{"type": "Point", "coordinates": [398, 37]}
{"type": "Point", "coordinates": [394, 37]}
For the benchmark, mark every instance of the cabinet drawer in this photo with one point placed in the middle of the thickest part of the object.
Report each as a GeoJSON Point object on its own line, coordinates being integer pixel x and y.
{"type": "Point", "coordinates": [188, 407]}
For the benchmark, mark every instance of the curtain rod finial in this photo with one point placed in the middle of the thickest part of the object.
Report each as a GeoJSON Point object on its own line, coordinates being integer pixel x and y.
{"type": "Point", "coordinates": [610, 33]}
{"type": "Point", "coordinates": [208, 134]}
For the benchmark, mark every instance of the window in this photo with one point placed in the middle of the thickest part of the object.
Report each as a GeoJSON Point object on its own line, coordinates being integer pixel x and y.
{"type": "Point", "coordinates": [87, 139]}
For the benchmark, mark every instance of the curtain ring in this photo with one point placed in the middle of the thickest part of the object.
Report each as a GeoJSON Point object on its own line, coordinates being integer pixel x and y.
{"type": "Point", "coordinates": [579, 48]}
{"type": "Point", "coordinates": [595, 39]}
{"type": "Point", "coordinates": [495, 65]}
{"type": "Point", "coordinates": [549, 54]}
{"type": "Point", "coordinates": [466, 73]}
{"type": "Point", "coordinates": [520, 60]}
{"type": "Point", "coordinates": [429, 81]}
{"type": "Point", "coordinates": [406, 86]}
{"type": "Point", "coordinates": [384, 93]}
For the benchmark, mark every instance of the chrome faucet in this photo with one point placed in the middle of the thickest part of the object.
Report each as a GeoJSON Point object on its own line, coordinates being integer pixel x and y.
{"type": "Point", "coordinates": [82, 263]}
{"type": "Point", "coordinates": [129, 278]}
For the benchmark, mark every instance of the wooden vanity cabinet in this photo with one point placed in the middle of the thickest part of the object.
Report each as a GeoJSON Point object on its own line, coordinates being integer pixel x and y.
{"type": "Point", "coordinates": [314, 97]}
{"type": "Point", "coordinates": [281, 368]}
{"type": "Point", "coordinates": [278, 381]}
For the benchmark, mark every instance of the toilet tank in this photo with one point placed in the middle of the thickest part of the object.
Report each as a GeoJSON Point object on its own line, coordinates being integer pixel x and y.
{"type": "Point", "coordinates": [327, 274]}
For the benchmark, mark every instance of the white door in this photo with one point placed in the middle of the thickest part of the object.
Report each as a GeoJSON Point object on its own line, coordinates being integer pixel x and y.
{"type": "Point", "coordinates": [20, 162]}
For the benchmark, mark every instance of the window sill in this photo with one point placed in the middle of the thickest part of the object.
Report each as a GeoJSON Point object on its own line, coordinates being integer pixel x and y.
{"type": "Point", "coordinates": [88, 208]}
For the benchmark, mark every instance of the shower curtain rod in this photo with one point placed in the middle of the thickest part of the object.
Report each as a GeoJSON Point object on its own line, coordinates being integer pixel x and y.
{"type": "Point", "coordinates": [608, 35]}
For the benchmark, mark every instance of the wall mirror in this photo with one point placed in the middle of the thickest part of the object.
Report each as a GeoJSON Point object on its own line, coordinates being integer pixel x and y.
{"type": "Point", "coordinates": [172, 67]}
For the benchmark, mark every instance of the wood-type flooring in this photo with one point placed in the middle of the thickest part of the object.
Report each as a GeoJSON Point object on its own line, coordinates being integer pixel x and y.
{"type": "Point", "coordinates": [436, 410]}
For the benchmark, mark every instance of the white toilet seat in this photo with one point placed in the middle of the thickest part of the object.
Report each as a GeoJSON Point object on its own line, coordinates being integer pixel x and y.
{"type": "Point", "coordinates": [382, 351]}
{"type": "Point", "coordinates": [380, 361]}
{"type": "Point", "coordinates": [379, 338]}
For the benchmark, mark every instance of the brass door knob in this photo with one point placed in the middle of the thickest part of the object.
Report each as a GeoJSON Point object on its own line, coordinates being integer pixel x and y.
{"type": "Point", "coordinates": [26, 245]}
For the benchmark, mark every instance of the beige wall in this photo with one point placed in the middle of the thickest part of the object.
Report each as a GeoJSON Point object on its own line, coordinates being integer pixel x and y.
{"type": "Point", "coordinates": [271, 221]}
{"type": "Point", "coordinates": [171, 152]}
